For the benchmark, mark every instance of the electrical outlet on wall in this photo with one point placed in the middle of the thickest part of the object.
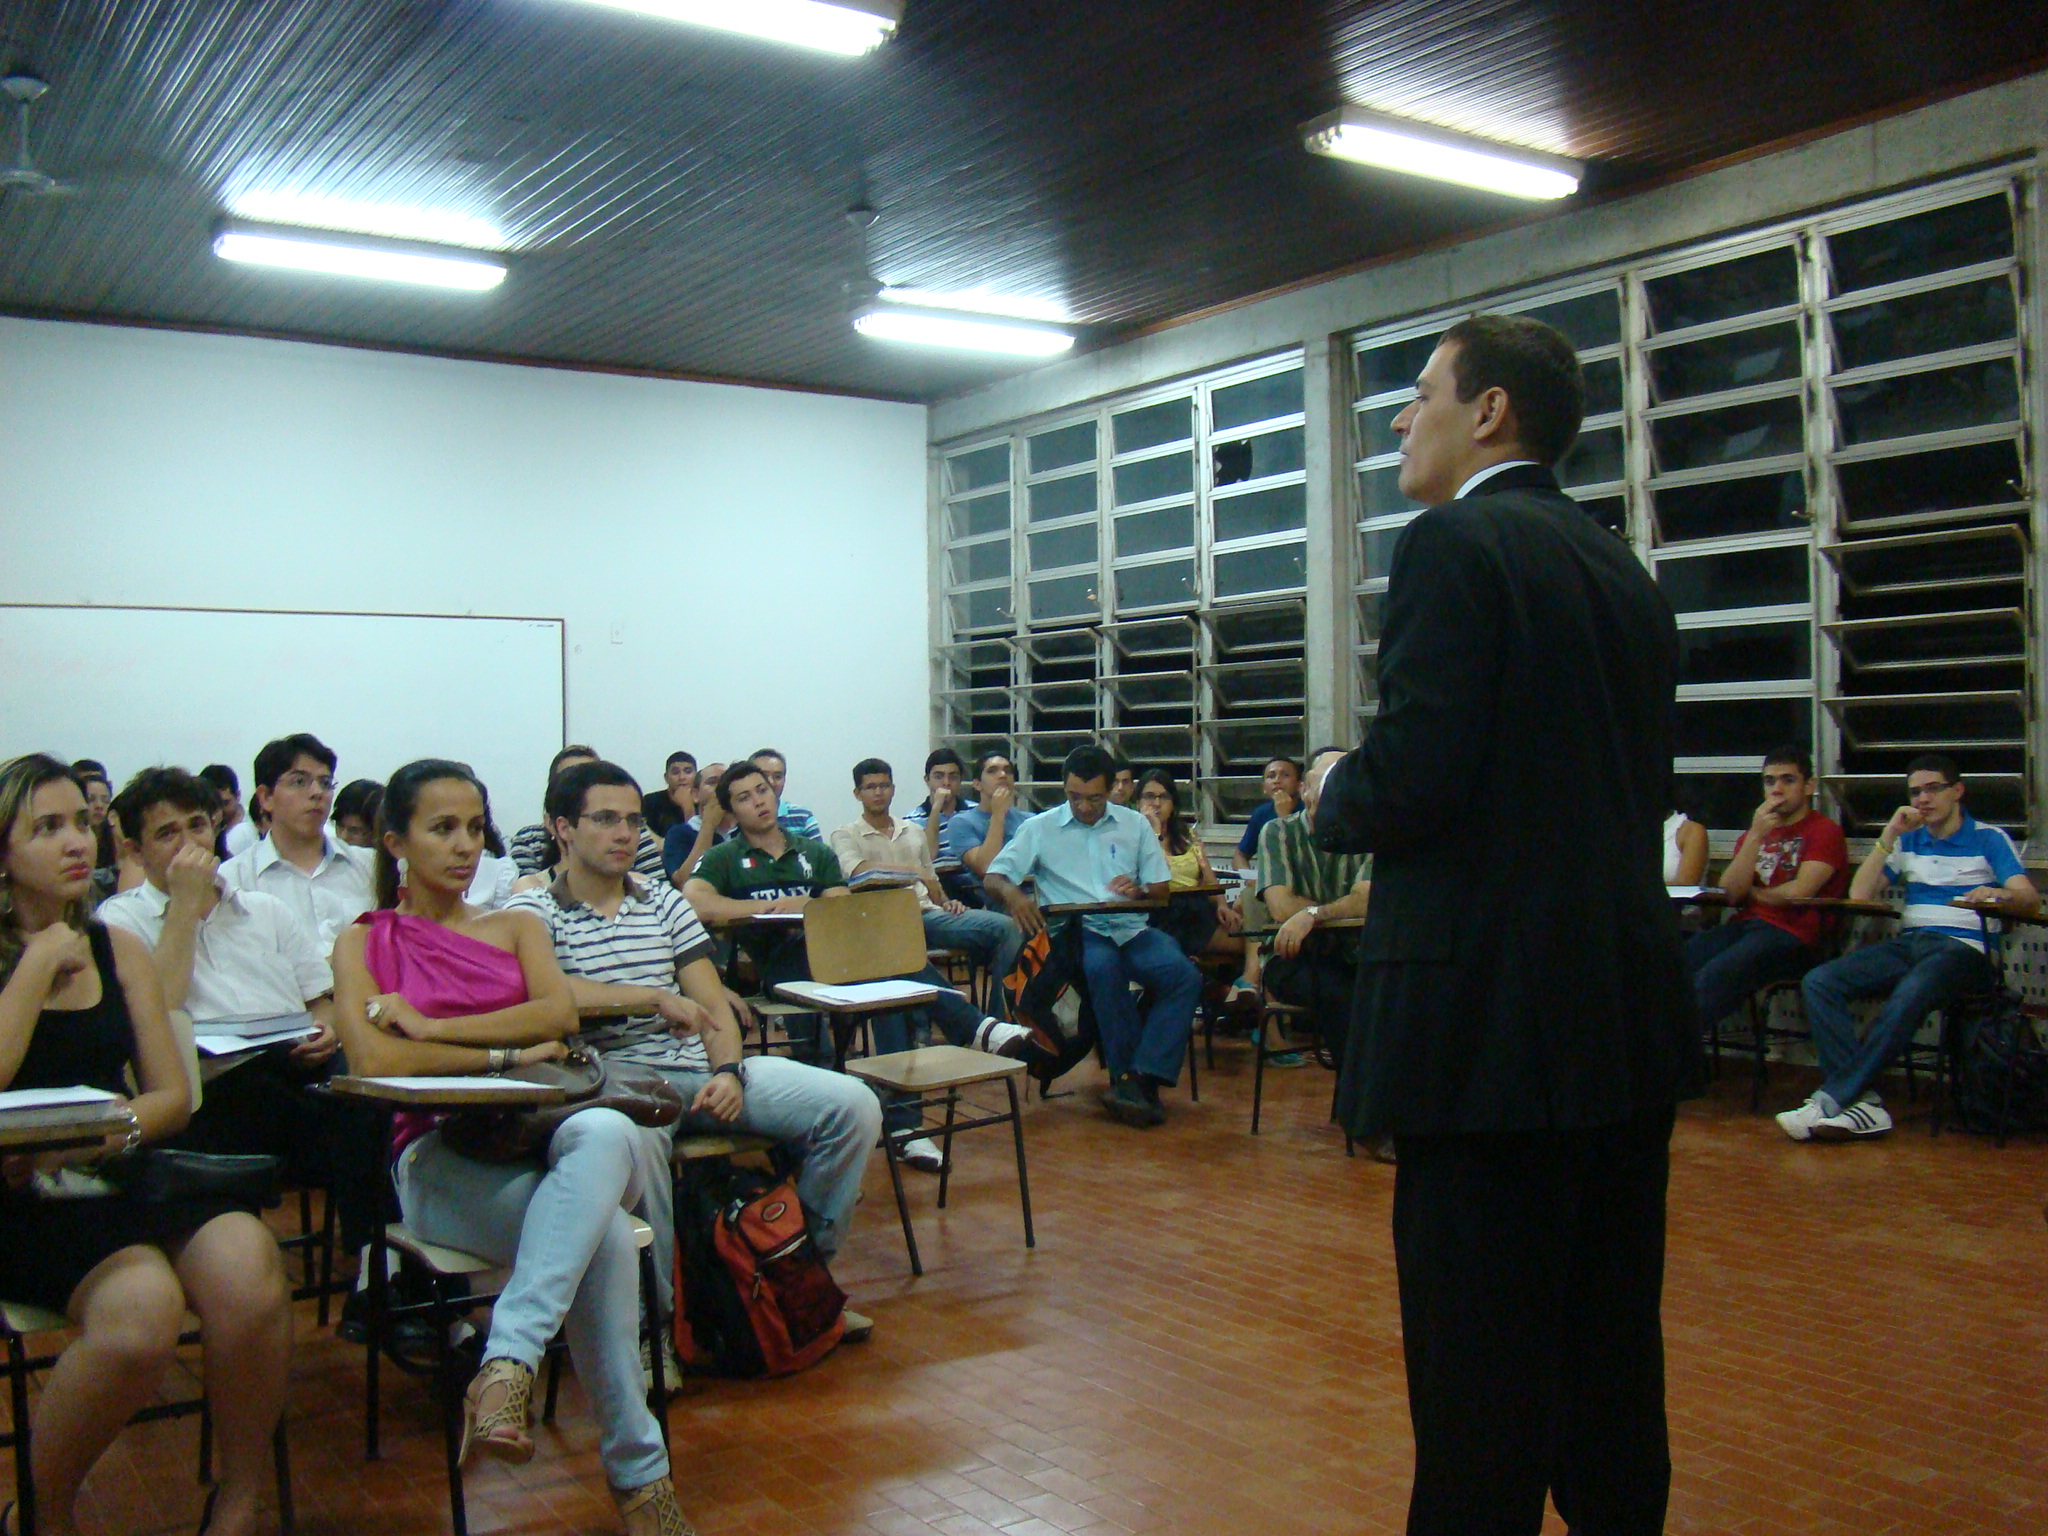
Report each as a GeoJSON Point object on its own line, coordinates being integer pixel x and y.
{"type": "Point", "coordinates": [618, 634]}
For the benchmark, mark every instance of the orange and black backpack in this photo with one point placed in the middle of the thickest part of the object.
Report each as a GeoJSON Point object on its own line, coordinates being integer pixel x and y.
{"type": "Point", "coordinates": [754, 1297]}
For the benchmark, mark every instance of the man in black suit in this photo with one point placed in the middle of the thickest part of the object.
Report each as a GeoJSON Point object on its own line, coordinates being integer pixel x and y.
{"type": "Point", "coordinates": [1522, 1024]}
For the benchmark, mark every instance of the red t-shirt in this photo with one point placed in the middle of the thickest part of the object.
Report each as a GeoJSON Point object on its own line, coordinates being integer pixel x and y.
{"type": "Point", "coordinates": [1777, 862]}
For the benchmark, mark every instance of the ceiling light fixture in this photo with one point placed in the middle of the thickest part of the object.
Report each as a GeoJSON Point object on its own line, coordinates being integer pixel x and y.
{"type": "Point", "coordinates": [960, 329]}
{"type": "Point", "coordinates": [390, 261]}
{"type": "Point", "coordinates": [440, 226]}
{"type": "Point", "coordinates": [981, 301]}
{"type": "Point", "coordinates": [1420, 149]}
{"type": "Point", "coordinates": [849, 27]}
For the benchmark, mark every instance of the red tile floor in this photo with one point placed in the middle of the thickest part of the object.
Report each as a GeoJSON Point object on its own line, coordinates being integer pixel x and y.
{"type": "Point", "coordinates": [1206, 1340]}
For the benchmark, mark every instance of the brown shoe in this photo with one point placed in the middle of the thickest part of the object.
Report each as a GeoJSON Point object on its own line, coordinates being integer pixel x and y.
{"type": "Point", "coordinates": [652, 1511]}
{"type": "Point", "coordinates": [497, 1411]}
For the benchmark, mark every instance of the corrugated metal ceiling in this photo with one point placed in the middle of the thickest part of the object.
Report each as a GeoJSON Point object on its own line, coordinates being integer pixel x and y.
{"type": "Point", "coordinates": [675, 197]}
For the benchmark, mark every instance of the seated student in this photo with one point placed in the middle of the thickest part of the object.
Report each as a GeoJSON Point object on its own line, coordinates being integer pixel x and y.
{"type": "Point", "coordinates": [355, 812]}
{"type": "Point", "coordinates": [640, 969]}
{"type": "Point", "coordinates": [1199, 925]}
{"type": "Point", "coordinates": [688, 841]}
{"type": "Point", "coordinates": [229, 954]}
{"type": "Point", "coordinates": [1941, 853]}
{"type": "Point", "coordinates": [1281, 783]}
{"type": "Point", "coordinates": [1123, 783]}
{"type": "Point", "coordinates": [676, 801]}
{"type": "Point", "coordinates": [1685, 851]}
{"type": "Point", "coordinates": [534, 853]}
{"type": "Point", "coordinates": [1304, 887]}
{"type": "Point", "coordinates": [768, 869]}
{"type": "Point", "coordinates": [978, 832]}
{"type": "Point", "coordinates": [99, 798]}
{"type": "Point", "coordinates": [1789, 851]}
{"type": "Point", "coordinates": [794, 818]}
{"type": "Point", "coordinates": [325, 883]}
{"type": "Point", "coordinates": [943, 772]}
{"type": "Point", "coordinates": [236, 831]}
{"type": "Point", "coordinates": [877, 840]}
{"type": "Point", "coordinates": [1090, 850]}
{"type": "Point", "coordinates": [430, 986]}
{"type": "Point", "coordinates": [80, 1006]}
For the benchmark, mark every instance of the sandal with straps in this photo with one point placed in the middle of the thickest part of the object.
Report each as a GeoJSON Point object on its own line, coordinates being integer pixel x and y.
{"type": "Point", "coordinates": [652, 1510]}
{"type": "Point", "coordinates": [501, 1429]}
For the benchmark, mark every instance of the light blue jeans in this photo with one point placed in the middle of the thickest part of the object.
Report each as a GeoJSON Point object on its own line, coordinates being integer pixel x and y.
{"type": "Point", "coordinates": [991, 937]}
{"type": "Point", "coordinates": [563, 1230]}
{"type": "Point", "coordinates": [829, 1120]}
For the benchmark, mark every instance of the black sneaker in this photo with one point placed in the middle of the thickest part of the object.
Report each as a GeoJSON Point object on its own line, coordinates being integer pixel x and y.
{"type": "Point", "coordinates": [1125, 1100]}
{"type": "Point", "coordinates": [1150, 1088]}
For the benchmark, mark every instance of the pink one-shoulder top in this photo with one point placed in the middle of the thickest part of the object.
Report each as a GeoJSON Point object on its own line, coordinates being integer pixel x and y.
{"type": "Point", "coordinates": [444, 974]}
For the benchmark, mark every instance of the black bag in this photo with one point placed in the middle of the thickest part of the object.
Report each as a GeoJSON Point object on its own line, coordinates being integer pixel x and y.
{"type": "Point", "coordinates": [587, 1081]}
{"type": "Point", "coordinates": [754, 1295]}
{"type": "Point", "coordinates": [1044, 994]}
{"type": "Point", "coordinates": [2002, 1082]}
{"type": "Point", "coordinates": [165, 1176]}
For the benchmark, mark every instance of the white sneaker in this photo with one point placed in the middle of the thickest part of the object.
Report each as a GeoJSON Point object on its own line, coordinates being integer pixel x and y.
{"type": "Point", "coordinates": [1799, 1123]}
{"type": "Point", "coordinates": [1866, 1117]}
{"type": "Point", "coordinates": [922, 1154]}
{"type": "Point", "coordinates": [1002, 1039]}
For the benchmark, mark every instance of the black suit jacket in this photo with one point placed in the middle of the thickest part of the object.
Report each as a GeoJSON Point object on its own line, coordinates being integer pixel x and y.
{"type": "Point", "coordinates": [1519, 968]}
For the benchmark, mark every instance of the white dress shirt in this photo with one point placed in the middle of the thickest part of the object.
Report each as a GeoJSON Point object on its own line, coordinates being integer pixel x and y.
{"type": "Point", "coordinates": [251, 959]}
{"type": "Point", "coordinates": [1489, 472]}
{"type": "Point", "coordinates": [335, 894]}
{"type": "Point", "coordinates": [240, 838]}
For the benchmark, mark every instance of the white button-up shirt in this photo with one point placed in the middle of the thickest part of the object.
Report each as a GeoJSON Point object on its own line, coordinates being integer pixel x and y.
{"type": "Point", "coordinates": [251, 959]}
{"type": "Point", "coordinates": [901, 847]}
{"type": "Point", "coordinates": [338, 891]}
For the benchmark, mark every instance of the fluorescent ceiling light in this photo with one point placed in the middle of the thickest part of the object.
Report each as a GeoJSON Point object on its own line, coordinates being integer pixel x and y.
{"type": "Point", "coordinates": [959, 329]}
{"type": "Point", "coordinates": [1395, 144]}
{"type": "Point", "coordinates": [306, 250]}
{"type": "Point", "coordinates": [836, 26]}
{"type": "Point", "coordinates": [442, 226]}
{"type": "Point", "coordinates": [981, 301]}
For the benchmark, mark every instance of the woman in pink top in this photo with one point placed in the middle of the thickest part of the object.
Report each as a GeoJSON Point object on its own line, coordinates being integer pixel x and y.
{"type": "Point", "coordinates": [429, 985]}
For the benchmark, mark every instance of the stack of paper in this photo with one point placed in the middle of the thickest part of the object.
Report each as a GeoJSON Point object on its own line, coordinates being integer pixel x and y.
{"type": "Point", "coordinates": [51, 1098]}
{"type": "Point", "coordinates": [865, 992]}
{"type": "Point", "coordinates": [870, 879]}
{"type": "Point", "coordinates": [227, 1037]}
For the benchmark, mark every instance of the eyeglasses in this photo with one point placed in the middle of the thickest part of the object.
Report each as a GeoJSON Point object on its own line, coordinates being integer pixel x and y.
{"type": "Point", "coordinates": [323, 784]}
{"type": "Point", "coordinates": [609, 819]}
{"type": "Point", "coordinates": [1915, 791]}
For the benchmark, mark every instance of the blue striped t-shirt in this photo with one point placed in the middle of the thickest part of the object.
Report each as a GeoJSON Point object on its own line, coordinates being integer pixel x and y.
{"type": "Point", "coordinates": [1936, 870]}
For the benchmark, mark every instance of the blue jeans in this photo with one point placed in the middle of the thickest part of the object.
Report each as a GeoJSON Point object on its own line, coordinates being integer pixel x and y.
{"type": "Point", "coordinates": [562, 1229]}
{"type": "Point", "coordinates": [1922, 968]}
{"type": "Point", "coordinates": [828, 1120]}
{"type": "Point", "coordinates": [991, 937]}
{"type": "Point", "coordinates": [1157, 1044]}
{"type": "Point", "coordinates": [1732, 961]}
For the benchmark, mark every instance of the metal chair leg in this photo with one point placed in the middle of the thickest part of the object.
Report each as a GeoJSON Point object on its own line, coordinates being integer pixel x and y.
{"type": "Point", "coordinates": [889, 1152]}
{"type": "Point", "coordinates": [24, 1472]}
{"type": "Point", "coordinates": [1259, 1067]}
{"type": "Point", "coordinates": [205, 1441]}
{"type": "Point", "coordinates": [281, 1455]}
{"type": "Point", "coordinates": [329, 1224]}
{"type": "Point", "coordinates": [1023, 1179]}
{"type": "Point", "coordinates": [946, 1145]}
{"type": "Point", "coordinates": [554, 1386]}
{"type": "Point", "coordinates": [650, 1308]}
{"type": "Point", "coordinates": [1194, 1075]}
{"type": "Point", "coordinates": [451, 1407]}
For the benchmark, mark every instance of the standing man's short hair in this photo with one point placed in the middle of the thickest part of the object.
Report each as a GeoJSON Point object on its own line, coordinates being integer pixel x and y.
{"type": "Point", "coordinates": [1085, 763]}
{"type": "Point", "coordinates": [872, 765]}
{"type": "Point", "coordinates": [1537, 369]}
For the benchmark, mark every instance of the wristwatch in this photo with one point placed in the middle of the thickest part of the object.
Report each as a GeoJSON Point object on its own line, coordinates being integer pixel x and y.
{"type": "Point", "coordinates": [733, 1068]}
{"type": "Point", "coordinates": [1315, 915]}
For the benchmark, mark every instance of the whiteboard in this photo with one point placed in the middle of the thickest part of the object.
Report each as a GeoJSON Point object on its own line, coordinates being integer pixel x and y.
{"type": "Point", "coordinates": [134, 687]}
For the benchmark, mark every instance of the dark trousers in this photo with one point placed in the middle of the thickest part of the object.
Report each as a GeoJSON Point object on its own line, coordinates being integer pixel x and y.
{"type": "Point", "coordinates": [1532, 1274]}
{"type": "Point", "coordinates": [1739, 958]}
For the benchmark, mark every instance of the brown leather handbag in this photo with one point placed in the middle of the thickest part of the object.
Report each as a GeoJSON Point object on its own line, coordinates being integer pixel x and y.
{"type": "Point", "coordinates": [587, 1081]}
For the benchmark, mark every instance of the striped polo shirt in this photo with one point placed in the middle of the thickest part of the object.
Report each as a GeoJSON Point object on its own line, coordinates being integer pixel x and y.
{"type": "Point", "coordinates": [652, 935]}
{"type": "Point", "coordinates": [1936, 870]}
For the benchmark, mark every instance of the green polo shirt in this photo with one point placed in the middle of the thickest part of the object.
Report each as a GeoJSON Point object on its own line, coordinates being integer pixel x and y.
{"type": "Point", "coordinates": [739, 871]}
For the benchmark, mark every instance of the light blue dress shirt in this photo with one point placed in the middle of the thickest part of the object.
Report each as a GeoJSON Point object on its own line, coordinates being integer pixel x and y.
{"type": "Point", "coordinates": [1074, 862]}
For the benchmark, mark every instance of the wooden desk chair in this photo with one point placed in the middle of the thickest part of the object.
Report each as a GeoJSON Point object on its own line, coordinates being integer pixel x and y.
{"type": "Point", "coordinates": [19, 1321]}
{"type": "Point", "coordinates": [945, 1069]}
{"type": "Point", "coordinates": [867, 936]}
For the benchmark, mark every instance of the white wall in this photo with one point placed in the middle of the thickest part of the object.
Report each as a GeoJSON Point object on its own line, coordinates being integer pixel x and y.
{"type": "Point", "coordinates": [736, 567]}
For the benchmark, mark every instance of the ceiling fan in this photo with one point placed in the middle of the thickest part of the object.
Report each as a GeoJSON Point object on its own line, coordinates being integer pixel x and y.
{"type": "Point", "coordinates": [24, 176]}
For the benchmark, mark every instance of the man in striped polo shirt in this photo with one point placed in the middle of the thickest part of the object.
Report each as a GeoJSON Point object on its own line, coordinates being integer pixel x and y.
{"type": "Point", "coordinates": [638, 959]}
{"type": "Point", "coordinates": [1941, 853]}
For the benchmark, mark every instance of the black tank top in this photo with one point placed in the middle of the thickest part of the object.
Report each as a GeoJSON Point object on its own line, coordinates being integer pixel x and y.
{"type": "Point", "coordinates": [91, 1046]}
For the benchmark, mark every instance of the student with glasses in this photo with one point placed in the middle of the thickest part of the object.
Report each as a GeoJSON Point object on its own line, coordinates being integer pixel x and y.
{"type": "Point", "coordinates": [1940, 853]}
{"type": "Point", "coordinates": [324, 881]}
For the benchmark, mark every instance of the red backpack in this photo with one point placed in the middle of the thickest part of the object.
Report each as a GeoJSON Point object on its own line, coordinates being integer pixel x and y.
{"type": "Point", "coordinates": [754, 1295]}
